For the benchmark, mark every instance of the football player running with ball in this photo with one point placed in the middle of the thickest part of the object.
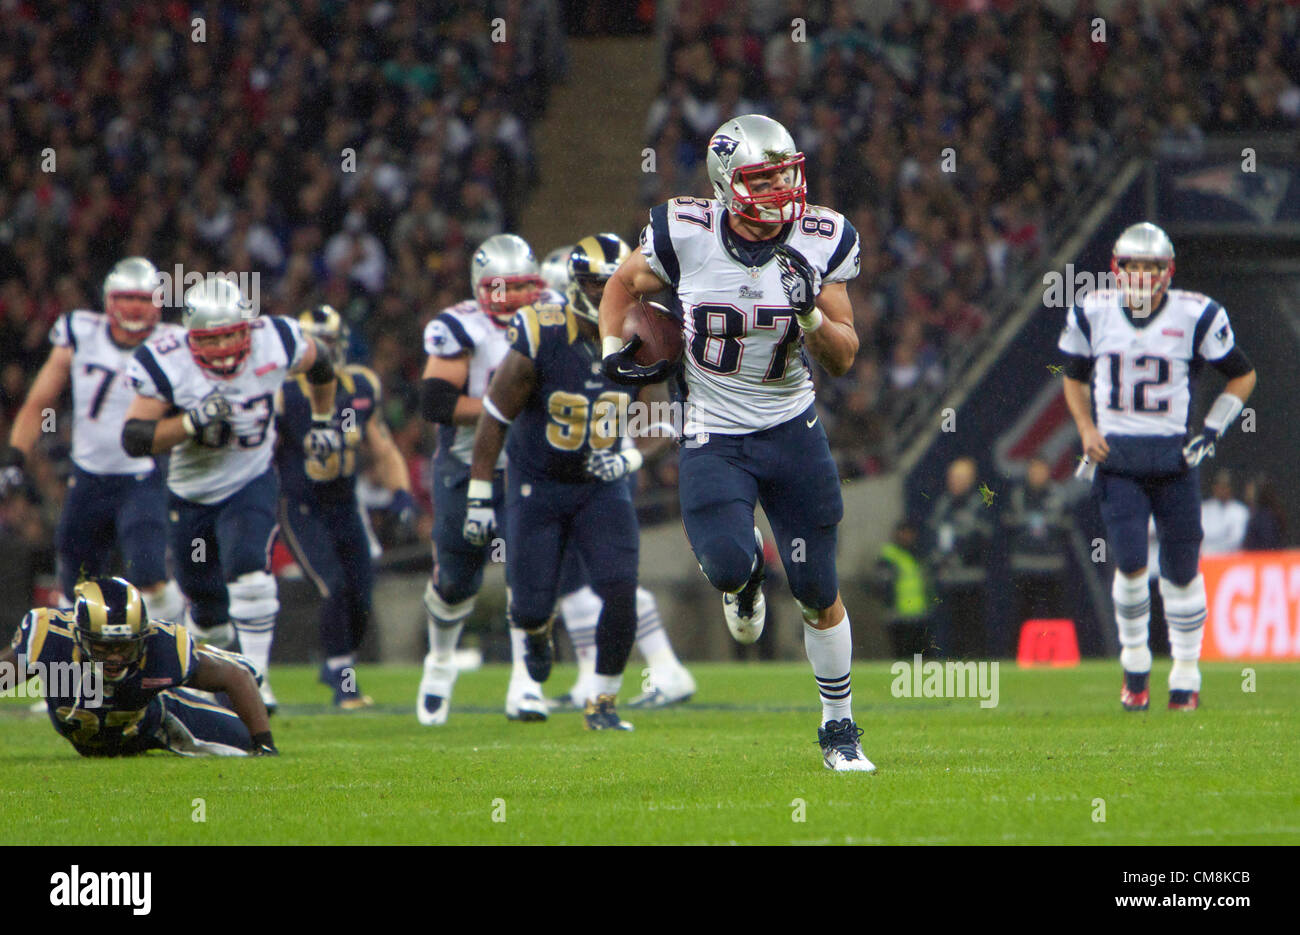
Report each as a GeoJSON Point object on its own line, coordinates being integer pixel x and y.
{"type": "Point", "coordinates": [208, 397]}
{"type": "Point", "coordinates": [760, 277]}
{"type": "Point", "coordinates": [1130, 355]}
{"type": "Point", "coordinates": [566, 487]}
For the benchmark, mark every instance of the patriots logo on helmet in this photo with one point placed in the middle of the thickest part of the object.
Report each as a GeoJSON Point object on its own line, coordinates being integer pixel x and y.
{"type": "Point", "coordinates": [724, 146]}
{"type": "Point", "coordinates": [1222, 333]}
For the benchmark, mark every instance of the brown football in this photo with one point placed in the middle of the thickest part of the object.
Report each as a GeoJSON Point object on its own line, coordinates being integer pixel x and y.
{"type": "Point", "coordinates": [659, 330]}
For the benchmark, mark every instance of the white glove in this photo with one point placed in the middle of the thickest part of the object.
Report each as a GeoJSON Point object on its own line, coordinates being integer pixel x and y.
{"type": "Point", "coordinates": [480, 517]}
{"type": "Point", "coordinates": [613, 465]}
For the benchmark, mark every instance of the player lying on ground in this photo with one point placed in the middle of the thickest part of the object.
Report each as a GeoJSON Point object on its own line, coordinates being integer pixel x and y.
{"type": "Point", "coordinates": [1130, 353]}
{"type": "Point", "coordinates": [114, 499]}
{"type": "Point", "coordinates": [319, 515]}
{"type": "Point", "coordinates": [566, 485]}
{"type": "Point", "coordinates": [208, 398]}
{"type": "Point", "coordinates": [140, 691]}
{"type": "Point", "coordinates": [760, 276]}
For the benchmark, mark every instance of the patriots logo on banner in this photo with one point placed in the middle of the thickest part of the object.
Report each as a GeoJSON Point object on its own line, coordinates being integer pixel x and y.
{"type": "Point", "coordinates": [723, 146]}
{"type": "Point", "coordinates": [1259, 192]}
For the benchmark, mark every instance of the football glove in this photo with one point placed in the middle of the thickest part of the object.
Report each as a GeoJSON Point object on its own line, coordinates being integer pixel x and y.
{"type": "Point", "coordinates": [323, 439]}
{"type": "Point", "coordinates": [263, 745]}
{"type": "Point", "coordinates": [1200, 447]}
{"type": "Point", "coordinates": [208, 422]}
{"type": "Point", "coordinates": [620, 366]}
{"type": "Point", "coordinates": [480, 517]}
{"type": "Point", "coordinates": [11, 471]}
{"type": "Point", "coordinates": [612, 465]}
{"type": "Point", "coordinates": [799, 281]}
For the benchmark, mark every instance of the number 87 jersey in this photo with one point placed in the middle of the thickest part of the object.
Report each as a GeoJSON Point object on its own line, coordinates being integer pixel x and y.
{"type": "Point", "coordinates": [1141, 368]}
{"type": "Point", "coordinates": [742, 371]}
{"type": "Point", "coordinates": [163, 368]}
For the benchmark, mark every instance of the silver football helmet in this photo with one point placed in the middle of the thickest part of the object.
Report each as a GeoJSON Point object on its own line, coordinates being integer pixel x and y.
{"type": "Point", "coordinates": [591, 262]}
{"type": "Point", "coordinates": [218, 320]}
{"type": "Point", "coordinates": [555, 269]}
{"type": "Point", "coordinates": [502, 262]}
{"type": "Point", "coordinates": [1143, 243]}
{"type": "Point", "coordinates": [743, 154]}
{"type": "Point", "coordinates": [134, 278]}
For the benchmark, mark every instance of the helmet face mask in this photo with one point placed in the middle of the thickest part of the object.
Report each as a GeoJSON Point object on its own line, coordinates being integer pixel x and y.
{"type": "Point", "coordinates": [129, 302]}
{"type": "Point", "coordinates": [1143, 266]}
{"type": "Point", "coordinates": [217, 319]}
{"type": "Point", "coordinates": [504, 276]}
{"type": "Point", "coordinates": [111, 625]}
{"type": "Point", "coordinates": [756, 170]}
{"type": "Point", "coordinates": [592, 261]}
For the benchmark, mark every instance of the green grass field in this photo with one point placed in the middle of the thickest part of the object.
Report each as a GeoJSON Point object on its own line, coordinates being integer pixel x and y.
{"type": "Point", "coordinates": [738, 764]}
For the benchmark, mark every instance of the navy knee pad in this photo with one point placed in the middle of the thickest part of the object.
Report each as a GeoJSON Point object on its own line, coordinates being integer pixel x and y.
{"type": "Point", "coordinates": [726, 563]}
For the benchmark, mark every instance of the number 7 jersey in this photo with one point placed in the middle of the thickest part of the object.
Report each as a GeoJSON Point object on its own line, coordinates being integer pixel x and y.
{"type": "Point", "coordinates": [743, 363]}
{"type": "Point", "coordinates": [164, 369]}
{"type": "Point", "coordinates": [1142, 371]}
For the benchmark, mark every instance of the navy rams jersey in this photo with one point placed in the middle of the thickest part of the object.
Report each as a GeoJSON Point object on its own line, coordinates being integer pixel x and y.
{"type": "Point", "coordinates": [125, 716]}
{"type": "Point", "coordinates": [333, 480]}
{"type": "Point", "coordinates": [574, 407]}
{"type": "Point", "coordinates": [744, 367]}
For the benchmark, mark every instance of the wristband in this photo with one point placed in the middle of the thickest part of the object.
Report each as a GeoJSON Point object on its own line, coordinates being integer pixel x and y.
{"type": "Point", "coordinates": [812, 321]}
{"type": "Point", "coordinates": [322, 420]}
{"type": "Point", "coordinates": [1222, 414]}
{"type": "Point", "coordinates": [480, 490]}
{"type": "Point", "coordinates": [188, 425]}
{"type": "Point", "coordinates": [634, 459]}
{"type": "Point", "coordinates": [610, 345]}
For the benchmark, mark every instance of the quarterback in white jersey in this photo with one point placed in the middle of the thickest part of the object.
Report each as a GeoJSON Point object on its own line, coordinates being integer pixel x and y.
{"type": "Point", "coordinates": [1131, 354]}
{"type": "Point", "coordinates": [465, 344]}
{"type": "Point", "coordinates": [208, 397]}
{"type": "Point", "coordinates": [113, 497]}
{"type": "Point", "coordinates": [760, 277]}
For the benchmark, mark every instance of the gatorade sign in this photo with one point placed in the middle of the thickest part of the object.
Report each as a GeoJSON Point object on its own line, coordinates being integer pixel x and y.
{"type": "Point", "coordinates": [1254, 606]}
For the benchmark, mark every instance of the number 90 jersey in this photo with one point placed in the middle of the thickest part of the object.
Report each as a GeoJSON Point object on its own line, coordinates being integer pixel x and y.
{"type": "Point", "coordinates": [574, 407]}
{"type": "Point", "coordinates": [1140, 374]}
{"type": "Point", "coordinates": [743, 372]}
{"type": "Point", "coordinates": [163, 369]}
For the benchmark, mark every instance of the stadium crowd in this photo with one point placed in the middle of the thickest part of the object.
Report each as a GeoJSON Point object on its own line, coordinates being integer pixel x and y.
{"type": "Point", "coordinates": [357, 152]}
{"type": "Point", "coordinates": [952, 140]}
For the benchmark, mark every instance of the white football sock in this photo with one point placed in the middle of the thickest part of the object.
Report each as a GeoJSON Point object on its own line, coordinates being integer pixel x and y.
{"type": "Point", "coordinates": [165, 602]}
{"type": "Point", "coordinates": [651, 637]}
{"type": "Point", "coordinates": [581, 612]}
{"type": "Point", "coordinates": [445, 623]}
{"type": "Point", "coordinates": [255, 642]}
{"type": "Point", "coordinates": [831, 653]}
{"type": "Point", "coordinates": [518, 649]}
{"type": "Point", "coordinates": [1132, 597]}
{"type": "Point", "coordinates": [1185, 612]}
{"type": "Point", "coordinates": [606, 685]}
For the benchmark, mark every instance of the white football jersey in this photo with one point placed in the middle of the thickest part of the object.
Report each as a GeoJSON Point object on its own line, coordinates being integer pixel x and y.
{"type": "Point", "coordinates": [164, 369]}
{"type": "Point", "coordinates": [460, 328]}
{"type": "Point", "coordinates": [1140, 374]}
{"type": "Point", "coordinates": [745, 370]}
{"type": "Point", "coordinates": [101, 392]}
